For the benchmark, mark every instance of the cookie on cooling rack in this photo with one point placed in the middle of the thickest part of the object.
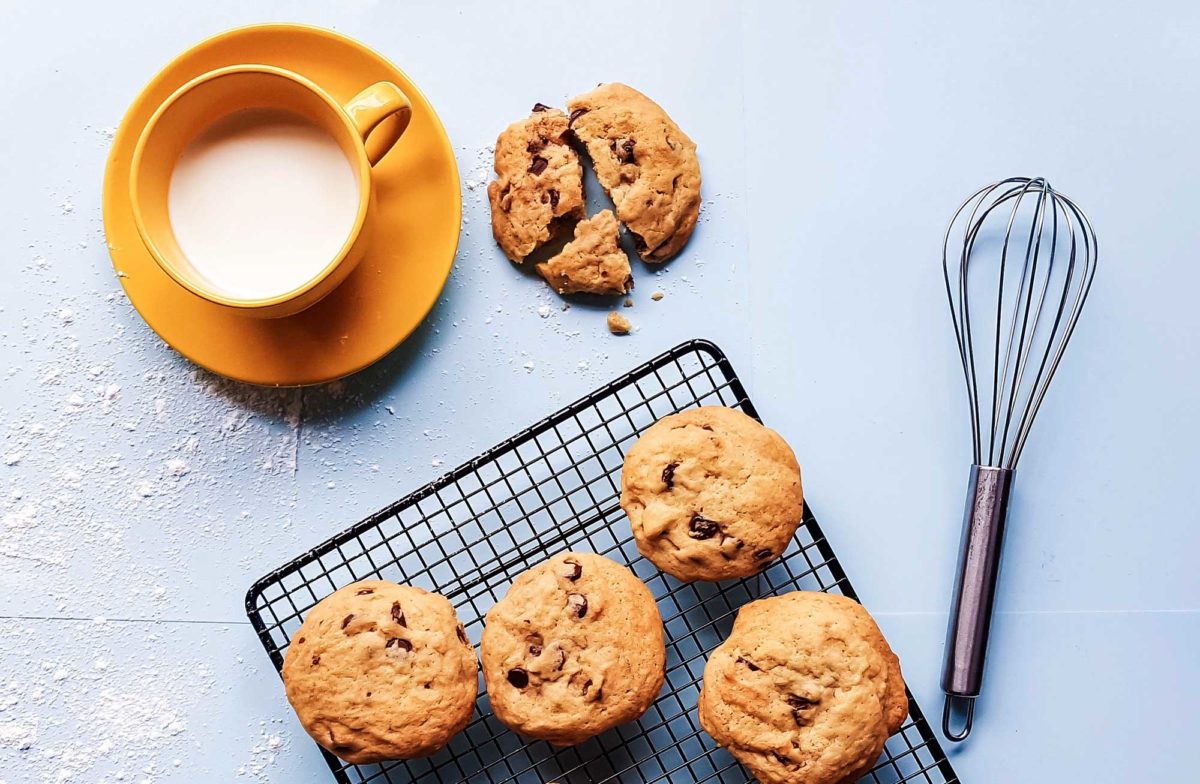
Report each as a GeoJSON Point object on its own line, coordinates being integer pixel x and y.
{"type": "Point", "coordinates": [574, 648]}
{"type": "Point", "coordinates": [711, 494]}
{"type": "Point", "coordinates": [381, 671]}
{"type": "Point", "coordinates": [804, 691]}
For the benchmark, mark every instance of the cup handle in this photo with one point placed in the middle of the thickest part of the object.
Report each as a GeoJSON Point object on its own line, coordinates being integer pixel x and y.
{"type": "Point", "coordinates": [371, 107]}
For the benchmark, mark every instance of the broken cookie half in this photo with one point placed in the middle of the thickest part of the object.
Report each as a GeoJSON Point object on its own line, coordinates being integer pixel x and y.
{"type": "Point", "coordinates": [539, 183]}
{"type": "Point", "coordinates": [593, 262]}
{"type": "Point", "coordinates": [645, 162]}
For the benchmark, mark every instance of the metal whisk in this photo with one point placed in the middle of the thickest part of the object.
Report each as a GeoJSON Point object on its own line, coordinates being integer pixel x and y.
{"type": "Point", "coordinates": [1016, 285]}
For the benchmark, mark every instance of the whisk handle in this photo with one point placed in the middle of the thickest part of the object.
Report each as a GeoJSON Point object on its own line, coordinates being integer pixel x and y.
{"type": "Point", "coordinates": [975, 587]}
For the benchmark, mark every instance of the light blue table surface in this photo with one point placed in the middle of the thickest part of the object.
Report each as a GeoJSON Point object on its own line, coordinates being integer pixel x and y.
{"type": "Point", "coordinates": [140, 497]}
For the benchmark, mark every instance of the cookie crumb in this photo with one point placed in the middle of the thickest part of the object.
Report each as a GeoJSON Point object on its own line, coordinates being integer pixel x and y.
{"type": "Point", "coordinates": [656, 296]}
{"type": "Point", "coordinates": [618, 324]}
{"type": "Point", "coordinates": [628, 303]}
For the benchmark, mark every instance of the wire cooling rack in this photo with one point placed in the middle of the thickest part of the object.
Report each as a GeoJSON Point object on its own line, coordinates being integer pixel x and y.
{"type": "Point", "coordinates": [551, 488]}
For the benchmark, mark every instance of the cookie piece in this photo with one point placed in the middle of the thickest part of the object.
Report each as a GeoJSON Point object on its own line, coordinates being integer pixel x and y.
{"type": "Point", "coordinates": [804, 691]}
{"type": "Point", "coordinates": [711, 494]}
{"type": "Point", "coordinates": [618, 324]}
{"type": "Point", "coordinates": [593, 262]}
{"type": "Point", "coordinates": [381, 671]}
{"type": "Point", "coordinates": [539, 182]}
{"type": "Point", "coordinates": [574, 649]}
{"type": "Point", "coordinates": [645, 162]}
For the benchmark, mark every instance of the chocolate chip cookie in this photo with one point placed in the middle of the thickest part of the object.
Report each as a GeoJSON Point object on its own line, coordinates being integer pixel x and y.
{"type": "Point", "coordinates": [381, 671]}
{"type": "Point", "coordinates": [574, 649]}
{"type": "Point", "coordinates": [645, 162]}
{"type": "Point", "coordinates": [539, 183]}
{"type": "Point", "coordinates": [804, 691]}
{"type": "Point", "coordinates": [711, 494]}
{"type": "Point", "coordinates": [593, 262]}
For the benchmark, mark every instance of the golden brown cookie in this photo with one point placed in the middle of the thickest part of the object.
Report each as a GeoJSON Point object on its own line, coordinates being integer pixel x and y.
{"type": "Point", "coordinates": [381, 671]}
{"type": "Point", "coordinates": [711, 494]}
{"type": "Point", "coordinates": [645, 162]}
{"type": "Point", "coordinates": [805, 690]}
{"type": "Point", "coordinates": [574, 649]}
{"type": "Point", "coordinates": [538, 185]}
{"type": "Point", "coordinates": [593, 262]}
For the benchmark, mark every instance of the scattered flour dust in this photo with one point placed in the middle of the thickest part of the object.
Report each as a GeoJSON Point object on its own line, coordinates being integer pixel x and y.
{"type": "Point", "coordinates": [481, 170]}
{"type": "Point", "coordinates": [65, 719]}
{"type": "Point", "coordinates": [120, 713]}
{"type": "Point", "coordinates": [122, 467]}
{"type": "Point", "coordinates": [264, 753]}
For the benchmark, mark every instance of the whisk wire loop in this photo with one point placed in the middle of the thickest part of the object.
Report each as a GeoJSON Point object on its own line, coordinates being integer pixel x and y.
{"type": "Point", "coordinates": [1046, 262]}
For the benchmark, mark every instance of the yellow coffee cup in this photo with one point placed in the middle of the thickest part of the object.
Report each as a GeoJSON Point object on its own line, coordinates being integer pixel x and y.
{"type": "Point", "coordinates": [381, 112]}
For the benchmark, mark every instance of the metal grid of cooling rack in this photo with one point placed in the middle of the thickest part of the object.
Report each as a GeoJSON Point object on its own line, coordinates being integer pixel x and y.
{"type": "Point", "coordinates": [555, 487]}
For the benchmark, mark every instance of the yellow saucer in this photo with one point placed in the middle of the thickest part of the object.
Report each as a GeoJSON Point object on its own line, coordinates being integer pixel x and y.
{"type": "Point", "coordinates": [388, 294]}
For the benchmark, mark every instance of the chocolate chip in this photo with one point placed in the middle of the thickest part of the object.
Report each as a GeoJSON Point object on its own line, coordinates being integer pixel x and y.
{"type": "Point", "coordinates": [749, 664]}
{"type": "Point", "coordinates": [535, 145]}
{"type": "Point", "coordinates": [540, 107]}
{"type": "Point", "coordinates": [462, 634]}
{"type": "Point", "coordinates": [398, 642]}
{"type": "Point", "coordinates": [668, 475]}
{"type": "Point", "coordinates": [365, 591]}
{"type": "Point", "coordinates": [398, 615]}
{"type": "Point", "coordinates": [346, 621]}
{"type": "Point", "coordinates": [640, 246]}
{"type": "Point", "coordinates": [624, 151]}
{"type": "Point", "coordinates": [518, 677]}
{"type": "Point", "coordinates": [573, 571]}
{"type": "Point", "coordinates": [587, 685]}
{"type": "Point", "coordinates": [575, 115]}
{"type": "Point", "coordinates": [799, 704]}
{"type": "Point", "coordinates": [553, 198]}
{"type": "Point", "coordinates": [316, 660]}
{"type": "Point", "coordinates": [703, 528]}
{"type": "Point", "coordinates": [578, 604]}
{"type": "Point", "coordinates": [539, 165]}
{"type": "Point", "coordinates": [301, 641]}
{"type": "Point", "coordinates": [535, 650]}
{"type": "Point", "coordinates": [562, 660]}
{"type": "Point", "coordinates": [764, 553]}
